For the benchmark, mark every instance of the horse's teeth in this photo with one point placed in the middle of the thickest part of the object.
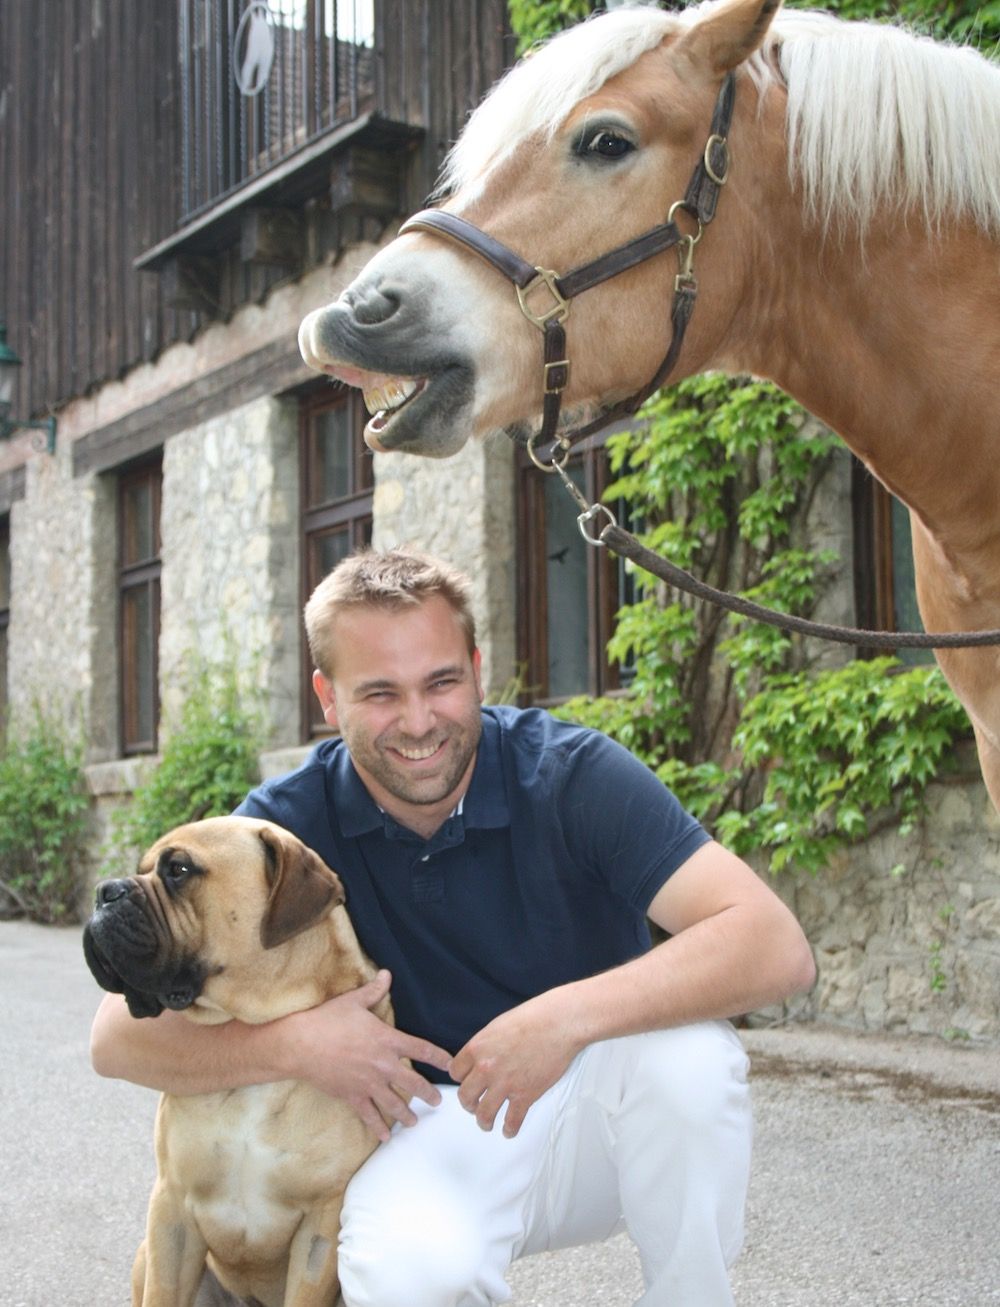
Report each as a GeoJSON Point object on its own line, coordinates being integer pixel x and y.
{"type": "Point", "coordinates": [389, 396]}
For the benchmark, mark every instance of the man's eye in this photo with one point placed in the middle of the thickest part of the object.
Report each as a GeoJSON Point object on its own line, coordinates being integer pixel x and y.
{"type": "Point", "coordinates": [608, 144]}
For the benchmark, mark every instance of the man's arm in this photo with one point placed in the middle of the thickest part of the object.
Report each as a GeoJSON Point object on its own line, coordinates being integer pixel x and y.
{"type": "Point", "coordinates": [340, 1047]}
{"type": "Point", "coordinates": [734, 947]}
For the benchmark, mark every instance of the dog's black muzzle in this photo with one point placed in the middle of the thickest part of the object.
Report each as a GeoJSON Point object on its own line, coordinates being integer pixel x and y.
{"type": "Point", "coordinates": [128, 955]}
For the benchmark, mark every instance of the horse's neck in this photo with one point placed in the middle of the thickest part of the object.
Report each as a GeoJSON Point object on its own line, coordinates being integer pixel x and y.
{"type": "Point", "coordinates": [894, 348]}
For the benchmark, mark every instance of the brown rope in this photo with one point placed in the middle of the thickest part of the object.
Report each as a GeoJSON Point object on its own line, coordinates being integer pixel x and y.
{"type": "Point", "coordinates": [626, 545]}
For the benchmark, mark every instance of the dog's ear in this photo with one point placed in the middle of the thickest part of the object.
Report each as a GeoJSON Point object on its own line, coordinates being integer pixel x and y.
{"type": "Point", "coordinates": [303, 887]}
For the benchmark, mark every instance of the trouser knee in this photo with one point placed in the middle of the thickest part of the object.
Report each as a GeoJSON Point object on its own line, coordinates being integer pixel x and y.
{"type": "Point", "coordinates": [696, 1074]}
{"type": "Point", "coordinates": [426, 1258]}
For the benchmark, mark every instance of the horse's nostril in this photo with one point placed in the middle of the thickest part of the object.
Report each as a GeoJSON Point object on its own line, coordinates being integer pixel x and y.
{"type": "Point", "coordinates": [371, 305]}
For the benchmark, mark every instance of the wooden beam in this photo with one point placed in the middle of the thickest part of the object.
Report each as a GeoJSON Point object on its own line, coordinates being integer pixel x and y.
{"type": "Point", "coordinates": [272, 236]}
{"type": "Point", "coordinates": [192, 282]}
{"type": "Point", "coordinates": [366, 183]}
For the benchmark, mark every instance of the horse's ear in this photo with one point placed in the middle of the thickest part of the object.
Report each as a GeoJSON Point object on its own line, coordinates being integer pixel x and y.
{"type": "Point", "coordinates": [729, 33]}
{"type": "Point", "coordinates": [302, 887]}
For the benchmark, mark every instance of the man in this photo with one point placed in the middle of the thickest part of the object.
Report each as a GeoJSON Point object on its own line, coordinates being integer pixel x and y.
{"type": "Point", "coordinates": [501, 866]}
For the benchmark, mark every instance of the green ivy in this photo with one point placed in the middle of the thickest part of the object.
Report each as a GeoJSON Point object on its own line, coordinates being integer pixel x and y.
{"type": "Point", "coordinates": [207, 765]}
{"type": "Point", "coordinates": [43, 820]}
{"type": "Point", "coordinates": [536, 20]}
{"type": "Point", "coordinates": [774, 755]}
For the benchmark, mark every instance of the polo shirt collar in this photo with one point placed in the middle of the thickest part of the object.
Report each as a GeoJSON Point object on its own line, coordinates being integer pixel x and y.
{"type": "Point", "coordinates": [484, 805]}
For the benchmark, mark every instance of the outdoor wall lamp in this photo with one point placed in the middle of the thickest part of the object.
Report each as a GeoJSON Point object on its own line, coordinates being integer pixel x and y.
{"type": "Point", "coordinates": [9, 363]}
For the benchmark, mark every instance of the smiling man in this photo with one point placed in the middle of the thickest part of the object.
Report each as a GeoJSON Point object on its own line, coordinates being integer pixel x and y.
{"type": "Point", "coordinates": [502, 867]}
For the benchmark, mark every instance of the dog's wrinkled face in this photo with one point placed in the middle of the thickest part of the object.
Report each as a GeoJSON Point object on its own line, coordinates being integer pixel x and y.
{"type": "Point", "coordinates": [209, 901]}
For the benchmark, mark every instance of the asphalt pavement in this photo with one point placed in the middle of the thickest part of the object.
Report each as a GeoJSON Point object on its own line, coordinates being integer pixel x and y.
{"type": "Point", "coordinates": [876, 1168]}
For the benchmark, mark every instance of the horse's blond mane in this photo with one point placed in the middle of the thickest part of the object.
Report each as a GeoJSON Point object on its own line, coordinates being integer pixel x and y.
{"type": "Point", "coordinates": [876, 114]}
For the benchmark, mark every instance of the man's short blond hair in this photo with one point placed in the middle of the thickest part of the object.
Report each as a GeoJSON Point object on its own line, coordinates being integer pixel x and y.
{"type": "Point", "coordinates": [391, 580]}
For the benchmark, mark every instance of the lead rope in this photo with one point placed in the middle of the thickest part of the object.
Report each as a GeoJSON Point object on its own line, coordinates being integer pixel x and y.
{"type": "Point", "coordinates": [625, 545]}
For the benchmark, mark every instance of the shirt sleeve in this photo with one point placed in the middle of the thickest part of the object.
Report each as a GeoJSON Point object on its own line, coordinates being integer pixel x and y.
{"type": "Point", "coordinates": [622, 823]}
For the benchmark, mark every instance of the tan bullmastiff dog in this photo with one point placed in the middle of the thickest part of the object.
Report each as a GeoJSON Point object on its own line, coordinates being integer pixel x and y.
{"type": "Point", "coordinates": [234, 918]}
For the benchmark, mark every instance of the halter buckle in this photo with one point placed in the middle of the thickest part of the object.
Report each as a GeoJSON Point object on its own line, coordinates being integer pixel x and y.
{"type": "Point", "coordinates": [717, 142]}
{"type": "Point", "coordinates": [559, 310]}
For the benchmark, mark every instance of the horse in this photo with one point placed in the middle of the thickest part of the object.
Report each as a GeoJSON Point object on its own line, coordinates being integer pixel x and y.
{"type": "Point", "coordinates": [851, 255]}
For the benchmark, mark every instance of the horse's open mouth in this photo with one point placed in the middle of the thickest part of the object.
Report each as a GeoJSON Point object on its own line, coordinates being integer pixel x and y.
{"type": "Point", "coordinates": [385, 400]}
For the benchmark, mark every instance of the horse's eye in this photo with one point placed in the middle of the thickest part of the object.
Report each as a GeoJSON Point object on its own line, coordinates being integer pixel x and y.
{"type": "Point", "coordinates": [609, 145]}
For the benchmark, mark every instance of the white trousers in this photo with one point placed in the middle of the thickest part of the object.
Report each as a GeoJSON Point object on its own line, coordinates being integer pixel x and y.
{"type": "Point", "coordinates": [650, 1132]}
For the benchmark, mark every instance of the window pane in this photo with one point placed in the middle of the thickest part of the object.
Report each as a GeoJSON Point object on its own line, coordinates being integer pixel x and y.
{"type": "Point", "coordinates": [904, 591]}
{"type": "Point", "coordinates": [139, 534]}
{"type": "Point", "coordinates": [331, 456]}
{"type": "Point", "coordinates": [139, 665]}
{"type": "Point", "coordinates": [566, 590]}
{"type": "Point", "coordinates": [326, 551]}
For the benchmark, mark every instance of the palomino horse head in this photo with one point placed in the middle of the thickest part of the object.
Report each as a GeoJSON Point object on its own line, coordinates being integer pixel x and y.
{"type": "Point", "coordinates": [589, 143]}
{"type": "Point", "coordinates": [583, 146]}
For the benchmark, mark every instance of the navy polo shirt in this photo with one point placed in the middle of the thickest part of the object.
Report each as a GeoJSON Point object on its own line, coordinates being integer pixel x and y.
{"type": "Point", "coordinates": [543, 877]}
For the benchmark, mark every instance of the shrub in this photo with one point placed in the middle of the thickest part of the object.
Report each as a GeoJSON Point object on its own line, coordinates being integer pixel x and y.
{"type": "Point", "coordinates": [206, 767]}
{"type": "Point", "coordinates": [43, 819]}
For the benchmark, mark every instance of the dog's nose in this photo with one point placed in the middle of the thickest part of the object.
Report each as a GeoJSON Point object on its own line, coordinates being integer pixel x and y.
{"type": "Point", "coordinates": [109, 891]}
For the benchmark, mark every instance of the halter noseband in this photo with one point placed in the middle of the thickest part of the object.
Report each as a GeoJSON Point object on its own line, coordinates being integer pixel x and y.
{"type": "Point", "coordinates": [531, 282]}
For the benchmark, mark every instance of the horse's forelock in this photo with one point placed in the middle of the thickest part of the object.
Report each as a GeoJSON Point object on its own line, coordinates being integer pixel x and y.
{"type": "Point", "coordinates": [541, 90]}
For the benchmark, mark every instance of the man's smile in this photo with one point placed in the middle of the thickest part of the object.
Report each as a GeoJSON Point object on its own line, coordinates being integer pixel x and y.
{"type": "Point", "coordinates": [417, 755]}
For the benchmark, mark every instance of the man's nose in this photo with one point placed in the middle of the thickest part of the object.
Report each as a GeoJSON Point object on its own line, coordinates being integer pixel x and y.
{"type": "Point", "coordinates": [417, 717]}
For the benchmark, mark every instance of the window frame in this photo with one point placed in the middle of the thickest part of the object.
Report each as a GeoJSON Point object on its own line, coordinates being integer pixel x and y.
{"type": "Point", "coordinates": [875, 562]}
{"type": "Point", "coordinates": [352, 512]}
{"type": "Point", "coordinates": [604, 573]}
{"type": "Point", "coordinates": [133, 576]}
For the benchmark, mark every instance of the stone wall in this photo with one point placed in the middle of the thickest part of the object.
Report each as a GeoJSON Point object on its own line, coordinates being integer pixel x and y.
{"type": "Point", "coordinates": [906, 928]}
{"type": "Point", "coordinates": [230, 586]}
{"type": "Point", "coordinates": [61, 641]}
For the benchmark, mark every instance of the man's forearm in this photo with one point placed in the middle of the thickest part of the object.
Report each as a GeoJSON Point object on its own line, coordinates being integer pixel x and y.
{"type": "Point", "coordinates": [176, 1056]}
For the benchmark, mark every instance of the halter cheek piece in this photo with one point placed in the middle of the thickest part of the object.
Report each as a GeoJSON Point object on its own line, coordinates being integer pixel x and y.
{"type": "Point", "coordinates": [544, 296]}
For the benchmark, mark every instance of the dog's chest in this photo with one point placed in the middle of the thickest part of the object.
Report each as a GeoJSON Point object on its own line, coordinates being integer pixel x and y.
{"type": "Point", "coordinates": [251, 1161]}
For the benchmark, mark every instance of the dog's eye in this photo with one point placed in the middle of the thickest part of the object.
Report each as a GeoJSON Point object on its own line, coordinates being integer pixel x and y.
{"type": "Point", "coordinates": [176, 871]}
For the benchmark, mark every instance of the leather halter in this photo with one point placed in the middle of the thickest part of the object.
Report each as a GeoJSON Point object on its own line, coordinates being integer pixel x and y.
{"type": "Point", "coordinates": [530, 282]}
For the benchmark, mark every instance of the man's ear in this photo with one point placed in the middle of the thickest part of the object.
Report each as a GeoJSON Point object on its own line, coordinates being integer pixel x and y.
{"type": "Point", "coordinates": [323, 690]}
{"type": "Point", "coordinates": [477, 671]}
{"type": "Point", "coordinates": [303, 888]}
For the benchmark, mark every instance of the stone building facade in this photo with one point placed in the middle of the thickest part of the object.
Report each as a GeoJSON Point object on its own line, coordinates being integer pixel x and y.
{"type": "Point", "coordinates": [221, 407]}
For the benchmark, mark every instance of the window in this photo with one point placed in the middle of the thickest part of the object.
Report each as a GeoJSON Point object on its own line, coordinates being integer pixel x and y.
{"type": "Point", "coordinates": [139, 606]}
{"type": "Point", "coordinates": [884, 583]}
{"type": "Point", "coordinates": [4, 616]}
{"type": "Point", "coordinates": [337, 483]}
{"type": "Point", "coordinates": [568, 591]}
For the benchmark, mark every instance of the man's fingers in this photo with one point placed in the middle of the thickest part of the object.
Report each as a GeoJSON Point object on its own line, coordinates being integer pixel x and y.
{"type": "Point", "coordinates": [421, 1050]}
{"type": "Point", "coordinates": [374, 990]}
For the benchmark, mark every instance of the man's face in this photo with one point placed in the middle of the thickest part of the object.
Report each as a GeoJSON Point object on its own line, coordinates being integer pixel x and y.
{"type": "Point", "coordinates": [405, 696]}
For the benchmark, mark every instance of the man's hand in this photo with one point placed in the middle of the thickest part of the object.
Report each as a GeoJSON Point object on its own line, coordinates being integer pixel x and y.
{"type": "Point", "coordinates": [514, 1059]}
{"type": "Point", "coordinates": [342, 1048]}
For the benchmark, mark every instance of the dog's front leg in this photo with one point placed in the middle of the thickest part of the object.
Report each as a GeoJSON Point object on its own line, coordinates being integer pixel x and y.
{"type": "Point", "coordinates": [174, 1256]}
{"type": "Point", "coordinates": [312, 1263]}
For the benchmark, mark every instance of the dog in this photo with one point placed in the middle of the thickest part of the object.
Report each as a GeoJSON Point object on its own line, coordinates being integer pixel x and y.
{"type": "Point", "coordinates": [234, 918]}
